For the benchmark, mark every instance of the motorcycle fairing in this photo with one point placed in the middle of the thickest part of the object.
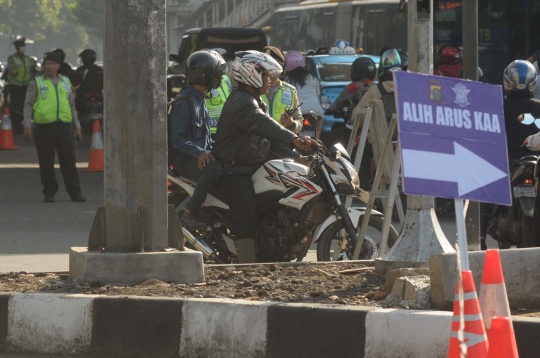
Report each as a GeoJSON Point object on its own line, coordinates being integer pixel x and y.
{"type": "Point", "coordinates": [189, 187]}
{"type": "Point", "coordinates": [281, 175]}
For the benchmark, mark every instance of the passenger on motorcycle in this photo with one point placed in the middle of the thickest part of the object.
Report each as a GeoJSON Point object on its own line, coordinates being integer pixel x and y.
{"type": "Point", "coordinates": [282, 96]}
{"type": "Point", "coordinates": [363, 71]}
{"type": "Point", "coordinates": [245, 136]}
{"type": "Point", "coordinates": [519, 81]}
{"type": "Point", "coordinates": [190, 133]}
{"type": "Point", "coordinates": [384, 90]}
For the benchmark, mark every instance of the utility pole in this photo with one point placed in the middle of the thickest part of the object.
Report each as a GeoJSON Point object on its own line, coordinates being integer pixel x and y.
{"type": "Point", "coordinates": [470, 71]}
{"type": "Point", "coordinates": [421, 235]}
{"type": "Point", "coordinates": [133, 226]}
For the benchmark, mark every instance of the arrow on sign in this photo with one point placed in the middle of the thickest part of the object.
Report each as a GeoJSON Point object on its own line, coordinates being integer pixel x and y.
{"type": "Point", "coordinates": [465, 168]}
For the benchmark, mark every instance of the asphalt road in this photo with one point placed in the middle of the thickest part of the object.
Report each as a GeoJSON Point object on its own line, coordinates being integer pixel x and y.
{"type": "Point", "coordinates": [36, 236]}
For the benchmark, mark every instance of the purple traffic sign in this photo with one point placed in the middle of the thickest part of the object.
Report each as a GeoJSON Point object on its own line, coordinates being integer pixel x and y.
{"type": "Point", "coordinates": [453, 139]}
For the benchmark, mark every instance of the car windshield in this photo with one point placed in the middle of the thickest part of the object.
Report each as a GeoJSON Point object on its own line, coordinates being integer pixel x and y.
{"type": "Point", "coordinates": [335, 72]}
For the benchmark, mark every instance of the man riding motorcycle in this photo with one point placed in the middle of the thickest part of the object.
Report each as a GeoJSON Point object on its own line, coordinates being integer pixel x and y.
{"type": "Point", "coordinates": [245, 136]}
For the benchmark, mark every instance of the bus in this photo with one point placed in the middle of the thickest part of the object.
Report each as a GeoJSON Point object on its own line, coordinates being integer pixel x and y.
{"type": "Point", "coordinates": [507, 30]}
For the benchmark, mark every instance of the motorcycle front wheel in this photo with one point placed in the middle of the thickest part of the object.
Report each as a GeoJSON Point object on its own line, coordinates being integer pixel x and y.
{"type": "Point", "coordinates": [331, 245]}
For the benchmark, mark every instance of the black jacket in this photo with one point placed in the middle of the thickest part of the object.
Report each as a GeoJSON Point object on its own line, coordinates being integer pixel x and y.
{"type": "Point", "coordinates": [246, 134]}
{"type": "Point", "coordinates": [516, 104]}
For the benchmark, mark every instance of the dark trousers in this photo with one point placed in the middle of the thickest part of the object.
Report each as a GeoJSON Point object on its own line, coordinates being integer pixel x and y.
{"type": "Point", "coordinates": [17, 96]}
{"type": "Point", "coordinates": [206, 178]}
{"type": "Point", "coordinates": [51, 138]}
{"type": "Point", "coordinates": [237, 191]}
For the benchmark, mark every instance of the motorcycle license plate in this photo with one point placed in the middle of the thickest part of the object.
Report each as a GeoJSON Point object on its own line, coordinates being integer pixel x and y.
{"type": "Point", "coordinates": [523, 191]}
{"type": "Point", "coordinates": [307, 133]}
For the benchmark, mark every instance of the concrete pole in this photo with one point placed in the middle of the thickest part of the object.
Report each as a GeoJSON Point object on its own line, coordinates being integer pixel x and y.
{"type": "Point", "coordinates": [421, 235]}
{"type": "Point", "coordinates": [470, 71]}
{"type": "Point", "coordinates": [135, 126]}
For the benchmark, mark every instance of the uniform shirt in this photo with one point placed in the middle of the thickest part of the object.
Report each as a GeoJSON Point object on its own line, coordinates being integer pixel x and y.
{"type": "Point", "coordinates": [31, 97]}
{"type": "Point", "coordinates": [191, 136]}
{"type": "Point", "coordinates": [298, 119]}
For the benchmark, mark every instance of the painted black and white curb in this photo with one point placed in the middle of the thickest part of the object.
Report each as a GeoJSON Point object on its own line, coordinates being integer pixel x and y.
{"type": "Point", "coordinates": [163, 327]}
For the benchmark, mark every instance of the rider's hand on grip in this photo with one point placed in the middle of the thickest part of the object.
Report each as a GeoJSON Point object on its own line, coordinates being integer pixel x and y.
{"type": "Point", "coordinates": [304, 143]}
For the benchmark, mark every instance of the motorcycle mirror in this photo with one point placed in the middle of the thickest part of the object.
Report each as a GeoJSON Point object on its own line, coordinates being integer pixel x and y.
{"type": "Point", "coordinates": [334, 156]}
{"type": "Point", "coordinates": [526, 118]}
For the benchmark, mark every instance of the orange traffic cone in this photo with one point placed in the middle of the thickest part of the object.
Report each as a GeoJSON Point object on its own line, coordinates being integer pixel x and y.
{"type": "Point", "coordinates": [474, 333]}
{"type": "Point", "coordinates": [493, 299]}
{"type": "Point", "coordinates": [95, 163]}
{"type": "Point", "coordinates": [6, 133]}
{"type": "Point", "coordinates": [502, 342]}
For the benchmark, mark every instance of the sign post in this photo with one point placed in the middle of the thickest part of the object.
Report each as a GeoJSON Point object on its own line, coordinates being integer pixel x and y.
{"type": "Point", "coordinates": [453, 142]}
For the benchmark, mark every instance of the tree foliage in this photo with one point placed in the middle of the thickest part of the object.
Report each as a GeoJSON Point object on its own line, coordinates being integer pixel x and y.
{"type": "Point", "coordinates": [89, 13]}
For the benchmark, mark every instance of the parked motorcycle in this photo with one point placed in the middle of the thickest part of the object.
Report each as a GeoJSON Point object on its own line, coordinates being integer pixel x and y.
{"type": "Point", "coordinates": [297, 206]}
{"type": "Point", "coordinates": [513, 225]}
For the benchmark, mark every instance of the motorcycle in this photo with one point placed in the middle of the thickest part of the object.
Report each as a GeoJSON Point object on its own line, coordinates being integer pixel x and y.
{"type": "Point", "coordinates": [309, 128]}
{"type": "Point", "coordinates": [92, 109]}
{"type": "Point", "coordinates": [513, 225]}
{"type": "Point", "coordinates": [297, 206]}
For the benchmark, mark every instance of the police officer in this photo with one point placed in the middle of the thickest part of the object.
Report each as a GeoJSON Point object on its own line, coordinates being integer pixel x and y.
{"type": "Point", "coordinates": [18, 77]}
{"type": "Point", "coordinates": [282, 96]}
{"type": "Point", "coordinates": [51, 104]}
{"type": "Point", "coordinates": [215, 101]}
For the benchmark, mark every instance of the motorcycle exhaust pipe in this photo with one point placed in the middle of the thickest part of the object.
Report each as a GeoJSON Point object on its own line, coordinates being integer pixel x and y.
{"type": "Point", "coordinates": [198, 244]}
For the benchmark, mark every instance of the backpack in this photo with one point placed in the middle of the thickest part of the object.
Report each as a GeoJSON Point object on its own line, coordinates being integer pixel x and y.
{"type": "Point", "coordinates": [182, 96]}
{"type": "Point", "coordinates": [389, 101]}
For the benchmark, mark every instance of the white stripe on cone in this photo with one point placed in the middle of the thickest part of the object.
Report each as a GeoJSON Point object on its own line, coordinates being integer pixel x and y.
{"type": "Point", "coordinates": [97, 140]}
{"type": "Point", "coordinates": [5, 124]}
{"type": "Point", "coordinates": [493, 302]}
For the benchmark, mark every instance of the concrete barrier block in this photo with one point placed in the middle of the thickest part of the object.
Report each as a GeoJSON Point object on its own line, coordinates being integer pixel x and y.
{"type": "Point", "coordinates": [4, 301]}
{"type": "Point", "coordinates": [403, 333]}
{"type": "Point", "coordinates": [521, 269]}
{"type": "Point", "coordinates": [393, 275]}
{"type": "Point", "coordinates": [222, 328]}
{"type": "Point", "coordinates": [137, 327]}
{"type": "Point", "coordinates": [316, 331]}
{"type": "Point", "coordinates": [527, 331]}
{"type": "Point", "coordinates": [50, 323]}
{"type": "Point", "coordinates": [132, 268]}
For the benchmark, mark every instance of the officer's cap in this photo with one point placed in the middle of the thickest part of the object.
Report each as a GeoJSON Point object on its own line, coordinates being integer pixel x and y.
{"type": "Point", "coordinates": [276, 54]}
{"type": "Point", "coordinates": [20, 41]}
{"type": "Point", "coordinates": [52, 56]}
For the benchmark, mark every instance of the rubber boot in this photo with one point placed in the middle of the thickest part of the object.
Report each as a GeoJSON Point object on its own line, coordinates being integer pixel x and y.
{"type": "Point", "coordinates": [245, 250]}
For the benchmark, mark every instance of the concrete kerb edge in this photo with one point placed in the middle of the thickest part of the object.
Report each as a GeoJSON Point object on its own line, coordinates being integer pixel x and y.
{"type": "Point", "coordinates": [387, 333]}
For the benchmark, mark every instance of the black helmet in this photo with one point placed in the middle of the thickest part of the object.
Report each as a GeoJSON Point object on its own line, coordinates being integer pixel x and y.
{"type": "Point", "coordinates": [480, 74]}
{"type": "Point", "coordinates": [60, 53]}
{"type": "Point", "coordinates": [363, 67]}
{"type": "Point", "coordinates": [88, 57]}
{"type": "Point", "coordinates": [205, 68]}
{"type": "Point", "coordinates": [404, 60]}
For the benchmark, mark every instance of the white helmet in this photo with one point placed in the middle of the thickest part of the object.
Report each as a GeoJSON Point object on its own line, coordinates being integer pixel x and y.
{"type": "Point", "coordinates": [248, 67]}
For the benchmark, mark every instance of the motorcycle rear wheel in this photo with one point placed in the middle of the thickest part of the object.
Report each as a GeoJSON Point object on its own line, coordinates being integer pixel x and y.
{"type": "Point", "coordinates": [331, 235]}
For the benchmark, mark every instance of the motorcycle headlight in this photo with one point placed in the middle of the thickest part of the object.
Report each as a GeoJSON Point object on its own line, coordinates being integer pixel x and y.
{"type": "Point", "coordinates": [353, 174]}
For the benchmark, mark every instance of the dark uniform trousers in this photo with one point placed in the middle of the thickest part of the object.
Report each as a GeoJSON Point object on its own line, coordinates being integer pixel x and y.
{"type": "Point", "coordinates": [56, 137]}
{"type": "Point", "coordinates": [17, 95]}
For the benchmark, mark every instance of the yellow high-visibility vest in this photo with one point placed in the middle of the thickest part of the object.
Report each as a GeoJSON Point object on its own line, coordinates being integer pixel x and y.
{"type": "Point", "coordinates": [216, 102]}
{"type": "Point", "coordinates": [52, 101]}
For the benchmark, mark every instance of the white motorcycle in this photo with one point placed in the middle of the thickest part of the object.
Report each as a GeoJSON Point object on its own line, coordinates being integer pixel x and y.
{"type": "Point", "coordinates": [297, 206]}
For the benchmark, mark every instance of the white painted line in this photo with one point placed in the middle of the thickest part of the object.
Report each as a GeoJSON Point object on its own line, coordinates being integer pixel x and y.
{"type": "Point", "coordinates": [404, 333]}
{"type": "Point", "coordinates": [50, 323]}
{"type": "Point", "coordinates": [235, 328]}
{"type": "Point", "coordinates": [81, 165]}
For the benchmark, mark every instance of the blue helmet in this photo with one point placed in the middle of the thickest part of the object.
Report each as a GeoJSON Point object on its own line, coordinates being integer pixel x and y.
{"type": "Point", "coordinates": [519, 76]}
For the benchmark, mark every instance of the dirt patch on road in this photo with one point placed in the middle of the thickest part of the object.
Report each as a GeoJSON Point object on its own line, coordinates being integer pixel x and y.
{"type": "Point", "coordinates": [338, 283]}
